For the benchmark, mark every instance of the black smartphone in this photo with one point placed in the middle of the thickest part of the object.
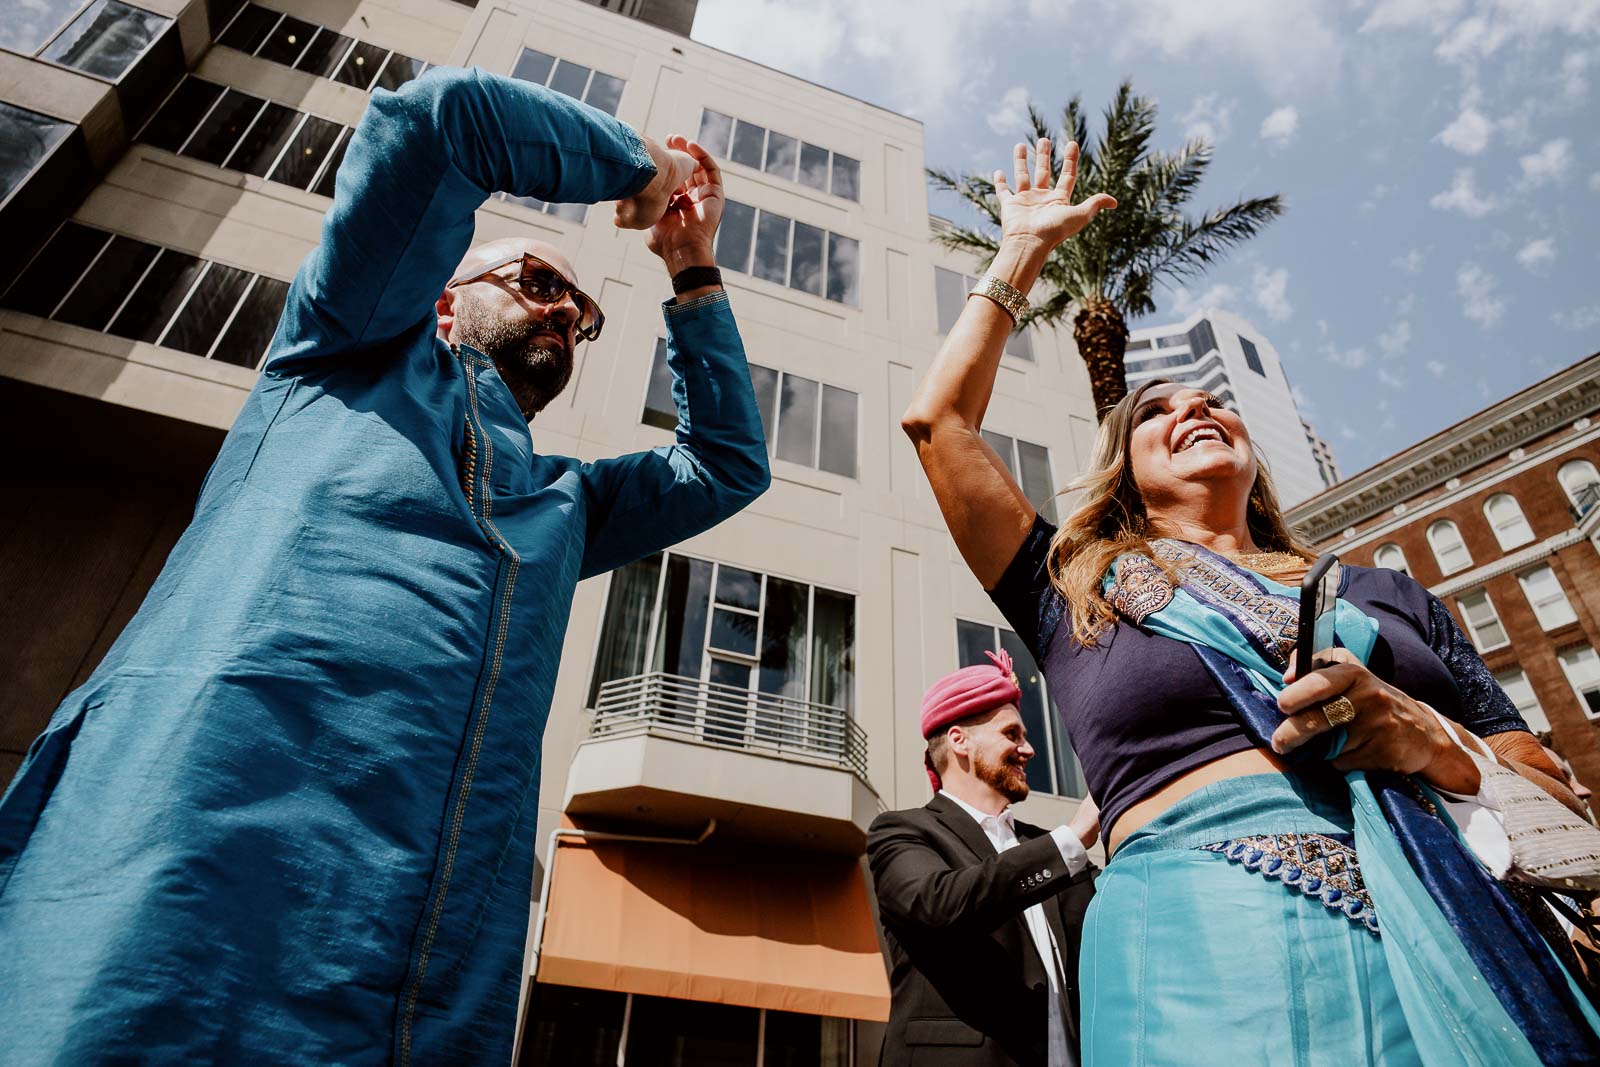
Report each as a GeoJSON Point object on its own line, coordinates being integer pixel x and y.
{"type": "Point", "coordinates": [1319, 591]}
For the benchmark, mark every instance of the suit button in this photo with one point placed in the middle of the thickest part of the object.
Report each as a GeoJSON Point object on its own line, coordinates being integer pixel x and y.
{"type": "Point", "coordinates": [1047, 873]}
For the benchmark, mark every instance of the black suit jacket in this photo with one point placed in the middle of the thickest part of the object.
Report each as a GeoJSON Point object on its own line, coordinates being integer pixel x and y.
{"type": "Point", "coordinates": [967, 986]}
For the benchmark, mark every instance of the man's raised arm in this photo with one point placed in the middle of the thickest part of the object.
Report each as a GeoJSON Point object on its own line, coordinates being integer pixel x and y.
{"type": "Point", "coordinates": [420, 163]}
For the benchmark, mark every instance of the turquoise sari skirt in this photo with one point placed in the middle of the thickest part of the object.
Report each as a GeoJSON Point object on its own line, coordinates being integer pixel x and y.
{"type": "Point", "coordinates": [1190, 958]}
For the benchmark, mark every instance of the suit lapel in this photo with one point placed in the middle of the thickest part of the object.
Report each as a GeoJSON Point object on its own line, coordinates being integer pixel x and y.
{"type": "Point", "coordinates": [962, 825]}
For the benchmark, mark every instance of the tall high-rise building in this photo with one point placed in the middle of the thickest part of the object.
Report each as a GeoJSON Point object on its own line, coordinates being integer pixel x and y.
{"type": "Point", "coordinates": [1322, 451]}
{"type": "Point", "coordinates": [1222, 352]}
{"type": "Point", "coordinates": [753, 692]}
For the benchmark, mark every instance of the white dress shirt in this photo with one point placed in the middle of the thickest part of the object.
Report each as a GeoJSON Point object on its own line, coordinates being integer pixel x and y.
{"type": "Point", "coordinates": [1002, 834]}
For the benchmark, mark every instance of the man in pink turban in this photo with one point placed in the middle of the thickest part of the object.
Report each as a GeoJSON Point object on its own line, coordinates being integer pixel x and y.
{"type": "Point", "coordinates": [982, 913]}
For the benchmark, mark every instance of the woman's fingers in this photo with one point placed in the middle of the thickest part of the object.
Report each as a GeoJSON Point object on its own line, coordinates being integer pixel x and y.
{"type": "Point", "coordinates": [1337, 671]}
{"type": "Point", "coordinates": [1019, 166]}
{"type": "Point", "coordinates": [1041, 164]}
{"type": "Point", "coordinates": [1296, 730]}
{"type": "Point", "coordinates": [1069, 168]}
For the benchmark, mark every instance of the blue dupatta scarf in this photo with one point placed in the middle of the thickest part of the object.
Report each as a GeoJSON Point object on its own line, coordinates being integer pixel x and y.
{"type": "Point", "coordinates": [1477, 982]}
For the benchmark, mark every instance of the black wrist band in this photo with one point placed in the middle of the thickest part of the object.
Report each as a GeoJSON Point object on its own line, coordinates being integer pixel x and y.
{"type": "Point", "coordinates": [695, 278]}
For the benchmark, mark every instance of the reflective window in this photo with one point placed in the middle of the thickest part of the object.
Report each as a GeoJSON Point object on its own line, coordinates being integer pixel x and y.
{"type": "Point", "coordinates": [805, 421]}
{"type": "Point", "coordinates": [780, 155]}
{"type": "Point", "coordinates": [598, 90]}
{"type": "Point", "coordinates": [1390, 556]}
{"type": "Point", "coordinates": [728, 625]}
{"type": "Point", "coordinates": [132, 289]}
{"type": "Point", "coordinates": [1252, 358]}
{"type": "Point", "coordinates": [1582, 668]}
{"type": "Point", "coordinates": [1581, 482]}
{"type": "Point", "coordinates": [1548, 600]}
{"type": "Point", "coordinates": [1520, 690]}
{"type": "Point", "coordinates": [1506, 519]}
{"type": "Point", "coordinates": [950, 289]}
{"type": "Point", "coordinates": [784, 252]}
{"type": "Point", "coordinates": [1029, 464]}
{"type": "Point", "coordinates": [245, 133]}
{"type": "Point", "coordinates": [1448, 547]}
{"type": "Point", "coordinates": [29, 26]}
{"type": "Point", "coordinates": [1054, 767]}
{"type": "Point", "coordinates": [1483, 622]}
{"type": "Point", "coordinates": [107, 39]}
{"type": "Point", "coordinates": [26, 139]}
{"type": "Point", "coordinates": [319, 50]}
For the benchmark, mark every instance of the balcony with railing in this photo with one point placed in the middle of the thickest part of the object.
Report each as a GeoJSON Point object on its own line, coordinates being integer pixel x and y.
{"type": "Point", "coordinates": [667, 750]}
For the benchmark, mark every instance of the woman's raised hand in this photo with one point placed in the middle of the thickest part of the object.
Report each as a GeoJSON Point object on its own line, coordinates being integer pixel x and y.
{"type": "Point", "coordinates": [1035, 208]}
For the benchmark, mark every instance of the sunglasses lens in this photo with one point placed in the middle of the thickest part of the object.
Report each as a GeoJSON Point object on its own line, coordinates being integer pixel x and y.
{"type": "Point", "coordinates": [543, 284]}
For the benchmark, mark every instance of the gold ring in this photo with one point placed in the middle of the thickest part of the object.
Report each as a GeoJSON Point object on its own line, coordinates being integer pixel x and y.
{"type": "Point", "coordinates": [1339, 711]}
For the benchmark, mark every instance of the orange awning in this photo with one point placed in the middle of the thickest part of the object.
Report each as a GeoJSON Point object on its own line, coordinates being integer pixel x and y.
{"type": "Point", "coordinates": [731, 925]}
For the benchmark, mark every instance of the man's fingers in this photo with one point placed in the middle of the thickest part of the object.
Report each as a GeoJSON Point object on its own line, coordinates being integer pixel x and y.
{"type": "Point", "coordinates": [1097, 203]}
{"type": "Point", "coordinates": [707, 161]}
{"type": "Point", "coordinates": [1019, 166]}
{"type": "Point", "coordinates": [1041, 164]}
{"type": "Point", "coordinates": [1001, 189]}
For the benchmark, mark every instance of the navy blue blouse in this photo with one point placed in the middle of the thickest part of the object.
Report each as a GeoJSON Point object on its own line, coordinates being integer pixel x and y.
{"type": "Point", "coordinates": [1141, 710]}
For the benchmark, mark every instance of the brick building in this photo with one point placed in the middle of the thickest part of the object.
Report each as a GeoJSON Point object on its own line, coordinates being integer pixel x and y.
{"type": "Point", "coordinates": [1496, 516]}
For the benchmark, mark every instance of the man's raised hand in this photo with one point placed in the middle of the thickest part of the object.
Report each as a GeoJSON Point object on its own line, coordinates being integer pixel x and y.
{"type": "Point", "coordinates": [673, 167]}
{"type": "Point", "coordinates": [683, 235]}
{"type": "Point", "coordinates": [1036, 208]}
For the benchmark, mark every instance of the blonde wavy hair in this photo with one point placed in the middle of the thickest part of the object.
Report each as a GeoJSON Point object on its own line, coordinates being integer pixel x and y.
{"type": "Point", "coordinates": [1109, 519]}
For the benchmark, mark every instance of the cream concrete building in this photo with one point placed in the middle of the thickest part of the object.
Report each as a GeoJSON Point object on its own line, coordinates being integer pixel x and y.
{"type": "Point", "coordinates": [760, 682]}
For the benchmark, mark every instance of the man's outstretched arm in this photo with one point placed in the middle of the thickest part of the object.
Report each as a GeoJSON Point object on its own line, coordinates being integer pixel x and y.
{"type": "Point", "coordinates": [646, 501]}
{"type": "Point", "coordinates": [420, 163]}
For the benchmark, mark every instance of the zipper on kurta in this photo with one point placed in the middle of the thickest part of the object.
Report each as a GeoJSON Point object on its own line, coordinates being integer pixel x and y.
{"type": "Point", "coordinates": [480, 501]}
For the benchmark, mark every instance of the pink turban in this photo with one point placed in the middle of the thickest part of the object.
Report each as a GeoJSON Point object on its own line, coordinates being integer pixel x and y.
{"type": "Point", "coordinates": [968, 692]}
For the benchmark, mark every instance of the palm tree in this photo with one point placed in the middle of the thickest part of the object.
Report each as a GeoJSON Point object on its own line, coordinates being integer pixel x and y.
{"type": "Point", "coordinates": [1108, 273]}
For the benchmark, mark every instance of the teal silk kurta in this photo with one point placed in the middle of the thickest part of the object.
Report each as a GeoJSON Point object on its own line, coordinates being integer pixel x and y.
{"type": "Point", "coordinates": [290, 818]}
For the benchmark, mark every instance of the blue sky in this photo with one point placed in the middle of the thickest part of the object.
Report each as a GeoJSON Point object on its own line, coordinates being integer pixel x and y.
{"type": "Point", "coordinates": [1438, 157]}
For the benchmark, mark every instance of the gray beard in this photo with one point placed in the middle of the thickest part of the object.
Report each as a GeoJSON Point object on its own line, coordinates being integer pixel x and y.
{"type": "Point", "coordinates": [533, 370]}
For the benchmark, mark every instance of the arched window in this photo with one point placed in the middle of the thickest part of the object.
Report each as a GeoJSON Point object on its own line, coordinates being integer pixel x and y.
{"type": "Point", "coordinates": [1448, 548]}
{"type": "Point", "coordinates": [1582, 483]}
{"type": "Point", "coordinates": [1390, 556]}
{"type": "Point", "coordinates": [1506, 519]}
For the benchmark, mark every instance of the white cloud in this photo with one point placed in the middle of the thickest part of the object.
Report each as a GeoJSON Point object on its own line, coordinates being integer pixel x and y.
{"type": "Point", "coordinates": [1574, 77]}
{"type": "Point", "coordinates": [1583, 318]}
{"type": "Point", "coordinates": [1469, 132]}
{"type": "Point", "coordinates": [1463, 196]}
{"type": "Point", "coordinates": [1476, 288]}
{"type": "Point", "coordinates": [1551, 163]}
{"type": "Point", "coordinates": [1594, 181]}
{"type": "Point", "coordinates": [1537, 253]}
{"type": "Point", "coordinates": [1436, 368]}
{"type": "Point", "coordinates": [1406, 305]}
{"type": "Point", "coordinates": [1411, 262]}
{"type": "Point", "coordinates": [1281, 125]}
{"type": "Point", "coordinates": [1407, 14]}
{"type": "Point", "coordinates": [925, 58]}
{"type": "Point", "coordinates": [1219, 295]}
{"type": "Point", "coordinates": [1209, 118]}
{"type": "Point", "coordinates": [1390, 378]}
{"type": "Point", "coordinates": [1349, 358]}
{"type": "Point", "coordinates": [1010, 116]}
{"type": "Point", "coordinates": [1271, 292]}
{"type": "Point", "coordinates": [1396, 339]}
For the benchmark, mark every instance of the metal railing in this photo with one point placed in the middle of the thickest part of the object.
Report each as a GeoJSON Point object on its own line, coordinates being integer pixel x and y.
{"type": "Point", "coordinates": [730, 717]}
{"type": "Point", "coordinates": [1584, 500]}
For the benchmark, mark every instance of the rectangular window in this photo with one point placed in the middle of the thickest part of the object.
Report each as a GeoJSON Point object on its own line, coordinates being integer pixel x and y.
{"type": "Point", "coordinates": [325, 53]}
{"type": "Point", "coordinates": [307, 151]}
{"type": "Point", "coordinates": [950, 289]}
{"type": "Point", "coordinates": [805, 421]}
{"type": "Point", "coordinates": [262, 143]}
{"type": "Point", "coordinates": [249, 28]}
{"type": "Point", "coordinates": [361, 65]}
{"type": "Point", "coordinates": [317, 50]}
{"type": "Point", "coordinates": [1252, 358]}
{"type": "Point", "coordinates": [219, 132]}
{"type": "Point", "coordinates": [1520, 690]}
{"type": "Point", "coordinates": [1176, 341]}
{"type": "Point", "coordinates": [1582, 668]}
{"type": "Point", "coordinates": [780, 250]}
{"type": "Point", "coordinates": [118, 285]}
{"type": "Point", "coordinates": [1483, 623]}
{"type": "Point", "coordinates": [1029, 464]}
{"type": "Point", "coordinates": [1054, 767]}
{"type": "Point", "coordinates": [398, 70]}
{"type": "Point", "coordinates": [105, 40]}
{"type": "Point", "coordinates": [287, 40]}
{"type": "Point", "coordinates": [1549, 601]}
{"type": "Point", "coordinates": [1138, 346]}
{"type": "Point", "coordinates": [780, 155]}
{"type": "Point", "coordinates": [708, 621]}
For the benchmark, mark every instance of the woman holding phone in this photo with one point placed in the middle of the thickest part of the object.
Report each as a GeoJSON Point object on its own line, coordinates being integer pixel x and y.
{"type": "Point", "coordinates": [1279, 890]}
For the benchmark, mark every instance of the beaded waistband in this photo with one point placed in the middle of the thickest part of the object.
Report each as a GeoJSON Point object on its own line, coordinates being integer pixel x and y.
{"type": "Point", "coordinates": [1322, 866]}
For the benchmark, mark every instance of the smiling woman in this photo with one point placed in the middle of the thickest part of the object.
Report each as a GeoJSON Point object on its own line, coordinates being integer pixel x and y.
{"type": "Point", "coordinates": [1159, 615]}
